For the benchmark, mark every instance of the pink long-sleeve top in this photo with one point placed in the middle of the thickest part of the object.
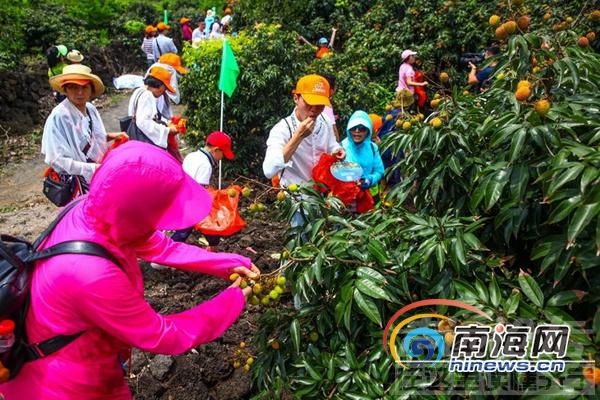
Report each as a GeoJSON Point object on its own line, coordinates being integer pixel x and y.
{"type": "Point", "coordinates": [75, 293]}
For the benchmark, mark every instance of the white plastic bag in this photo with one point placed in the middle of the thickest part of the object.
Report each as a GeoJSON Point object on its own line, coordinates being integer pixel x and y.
{"type": "Point", "coordinates": [128, 81]}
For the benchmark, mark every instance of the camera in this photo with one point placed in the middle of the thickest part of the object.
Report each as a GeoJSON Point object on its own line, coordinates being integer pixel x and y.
{"type": "Point", "coordinates": [475, 58]}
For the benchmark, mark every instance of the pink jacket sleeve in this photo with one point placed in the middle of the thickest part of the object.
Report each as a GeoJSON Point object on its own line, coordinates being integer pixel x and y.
{"type": "Point", "coordinates": [109, 302]}
{"type": "Point", "coordinates": [161, 249]}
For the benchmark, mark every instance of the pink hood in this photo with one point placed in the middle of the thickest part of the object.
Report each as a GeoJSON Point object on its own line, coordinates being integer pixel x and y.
{"type": "Point", "coordinates": [137, 190]}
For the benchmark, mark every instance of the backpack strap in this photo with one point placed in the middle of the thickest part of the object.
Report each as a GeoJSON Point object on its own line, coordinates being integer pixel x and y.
{"type": "Point", "coordinates": [53, 224]}
{"type": "Point", "coordinates": [291, 133]}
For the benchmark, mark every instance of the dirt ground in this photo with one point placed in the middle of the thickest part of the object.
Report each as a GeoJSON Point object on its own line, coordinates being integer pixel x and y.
{"type": "Point", "coordinates": [205, 372]}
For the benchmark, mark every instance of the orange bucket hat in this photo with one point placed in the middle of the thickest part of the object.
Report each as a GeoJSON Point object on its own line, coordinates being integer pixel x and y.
{"type": "Point", "coordinates": [174, 61]}
{"type": "Point", "coordinates": [161, 26]}
{"type": "Point", "coordinates": [162, 75]}
{"type": "Point", "coordinates": [314, 89]}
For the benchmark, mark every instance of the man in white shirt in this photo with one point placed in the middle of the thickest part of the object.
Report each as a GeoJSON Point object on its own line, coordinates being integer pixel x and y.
{"type": "Point", "coordinates": [199, 33]}
{"type": "Point", "coordinates": [296, 143]}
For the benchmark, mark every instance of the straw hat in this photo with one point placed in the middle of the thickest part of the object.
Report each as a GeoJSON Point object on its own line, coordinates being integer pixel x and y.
{"type": "Point", "coordinates": [80, 75]}
{"type": "Point", "coordinates": [75, 56]}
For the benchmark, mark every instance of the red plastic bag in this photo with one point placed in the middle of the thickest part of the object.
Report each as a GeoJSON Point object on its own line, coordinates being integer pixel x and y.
{"type": "Point", "coordinates": [224, 218]}
{"type": "Point", "coordinates": [345, 191]}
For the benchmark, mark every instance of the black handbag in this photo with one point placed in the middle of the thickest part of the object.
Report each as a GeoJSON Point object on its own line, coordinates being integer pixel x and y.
{"type": "Point", "coordinates": [59, 189]}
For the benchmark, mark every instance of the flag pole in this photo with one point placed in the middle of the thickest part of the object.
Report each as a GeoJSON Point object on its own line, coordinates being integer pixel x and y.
{"type": "Point", "coordinates": [221, 129]}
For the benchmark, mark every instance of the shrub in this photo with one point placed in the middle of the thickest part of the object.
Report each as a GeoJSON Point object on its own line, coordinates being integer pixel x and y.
{"type": "Point", "coordinates": [270, 62]}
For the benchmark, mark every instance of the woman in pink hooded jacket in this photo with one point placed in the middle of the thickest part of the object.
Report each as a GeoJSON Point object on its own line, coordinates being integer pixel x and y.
{"type": "Point", "coordinates": [136, 192]}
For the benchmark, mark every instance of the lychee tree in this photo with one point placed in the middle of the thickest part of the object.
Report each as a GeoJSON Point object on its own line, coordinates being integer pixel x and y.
{"type": "Point", "coordinates": [504, 215]}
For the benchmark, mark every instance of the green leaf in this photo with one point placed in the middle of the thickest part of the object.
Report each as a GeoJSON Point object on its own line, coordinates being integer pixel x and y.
{"type": "Point", "coordinates": [565, 177]}
{"type": "Point", "coordinates": [457, 253]}
{"type": "Point", "coordinates": [479, 193]}
{"type": "Point", "coordinates": [377, 249]}
{"type": "Point", "coordinates": [295, 335]}
{"type": "Point", "coordinates": [371, 289]}
{"type": "Point", "coordinates": [564, 209]}
{"type": "Point", "coordinates": [370, 273]}
{"type": "Point", "coordinates": [495, 187]}
{"type": "Point", "coordinates": [516, 144]}
{"type": "Point", "coordinates": [494, 291]}
{"type": "Point", "coordinates": [589, 175]}
{"type": "Point", "coordinates": [566, 298]}
{"type": "Point", "coordinates": [512, 303]}
{"type": "Point", "coordinates": [531, 288]}
{"type": "Point", "coordinates": [482, 291]}
{"type": "Point", "coordinates": [518, 181]}
{"type": "Point", "coordinates": [368, 307]}
{"type": "Point", "coordinates": [581, 219]}
{"type": "Point", "coordinates": [598, 237]}
{"type": "Point", "coordinates": [311, 371]}
{"type": "Point", "coordinates": [472, 241]}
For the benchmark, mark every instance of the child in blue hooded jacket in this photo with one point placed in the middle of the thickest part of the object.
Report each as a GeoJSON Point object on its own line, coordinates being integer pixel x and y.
{"type": "Point", "coordinates": [361, 149]}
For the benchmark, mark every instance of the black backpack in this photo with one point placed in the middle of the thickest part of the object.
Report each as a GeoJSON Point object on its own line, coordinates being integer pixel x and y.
{"type": "Point", "coordinates": [17, 260]}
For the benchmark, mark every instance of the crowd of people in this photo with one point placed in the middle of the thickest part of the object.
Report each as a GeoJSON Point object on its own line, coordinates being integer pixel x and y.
{"type": "Point", "coordinates": [120, 206]}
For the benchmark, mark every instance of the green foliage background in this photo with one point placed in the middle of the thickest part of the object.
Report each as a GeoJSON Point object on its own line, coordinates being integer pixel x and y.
{"type": "Point", "coordinates": [499, 207]}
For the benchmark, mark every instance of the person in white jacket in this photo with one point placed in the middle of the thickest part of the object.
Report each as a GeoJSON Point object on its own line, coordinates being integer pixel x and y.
{"type": "Point", "coordinates": [74, 139]}
{"type": "Point", "coordinates": [143, 106]}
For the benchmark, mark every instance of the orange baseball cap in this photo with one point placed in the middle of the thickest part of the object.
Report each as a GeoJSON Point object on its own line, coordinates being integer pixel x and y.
{"type": "Point", "coordinates": [183, 20]}
{"type": "Point", "coordinates": [222, 141]}
{"type": "Point", "coordinates": [150, 29]}
{"type": "Point", "coordinates": [174, 61]}
{"type": "Point", "coordinates": [161, 26]}
{"type": "Point", "coordinates": [377, 122]}
{"type": "Point", "coordinates": [314, 89]}
{"type": "Point", "coordinates": [162, 75]}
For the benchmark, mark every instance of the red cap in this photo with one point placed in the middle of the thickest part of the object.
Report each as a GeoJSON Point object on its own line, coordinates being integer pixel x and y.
{"type": "Point", "coordinates": [222, 141]}
{"type": "Point", "coordinates": [7, 327]}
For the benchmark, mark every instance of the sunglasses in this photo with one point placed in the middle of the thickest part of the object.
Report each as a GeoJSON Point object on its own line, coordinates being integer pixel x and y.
{"type": "Point", "coordinates": [359, 128]}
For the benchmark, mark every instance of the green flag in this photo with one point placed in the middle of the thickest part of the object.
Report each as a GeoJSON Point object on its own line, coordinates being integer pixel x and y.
{"type": "Point", "coordinates": [229, 70]}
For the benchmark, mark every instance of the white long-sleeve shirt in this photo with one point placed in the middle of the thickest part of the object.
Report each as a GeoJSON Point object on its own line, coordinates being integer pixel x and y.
{"type": "Point", "coordinates": [67, 133]}
{"type": "Point", "coordinates": [145, 114]}
{"type": "Point", "coordinates": [162, 103]}
{"type": "Point", "coordinates": [299, 168]}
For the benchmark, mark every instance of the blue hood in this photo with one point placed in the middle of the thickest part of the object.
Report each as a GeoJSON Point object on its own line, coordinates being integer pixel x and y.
{"type": "Point", "coordinates": [360, 118]}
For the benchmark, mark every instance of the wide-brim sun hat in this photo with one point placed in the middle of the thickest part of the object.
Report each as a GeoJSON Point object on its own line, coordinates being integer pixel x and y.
{"type": "Point", "coordinates": [80, 75]}
{"type": "Point", "coordinates": [314, 89]}
{"type": "Point", "coordinates": [139, 169]}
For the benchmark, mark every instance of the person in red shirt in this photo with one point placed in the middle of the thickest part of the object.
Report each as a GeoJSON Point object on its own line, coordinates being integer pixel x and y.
{"type": "Point", "coordinates": [420, 92]}
{"type": "Point", "coordinates": [186, 31]}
